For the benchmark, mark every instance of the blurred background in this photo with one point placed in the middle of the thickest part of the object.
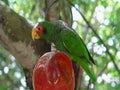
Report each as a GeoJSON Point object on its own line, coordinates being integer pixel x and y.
{"type": "Point", "coordinates": [96, 21]}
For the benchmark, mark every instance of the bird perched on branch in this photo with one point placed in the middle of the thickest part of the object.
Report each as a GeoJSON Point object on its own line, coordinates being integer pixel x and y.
{"type": "Point", "coordinates": [66, 40]}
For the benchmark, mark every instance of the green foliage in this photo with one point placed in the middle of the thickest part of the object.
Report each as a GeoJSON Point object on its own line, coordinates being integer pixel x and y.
{"type": "Point", "coordinates": [28, 8]}
{"type": "Point", "coordinates": [117, 31]}
{"type": "Point", "coordinates": [11, 73]}
{"type": "Point", "coordinates": [104, 17]}
{"type": "Point", "coordinates": [6, 2]}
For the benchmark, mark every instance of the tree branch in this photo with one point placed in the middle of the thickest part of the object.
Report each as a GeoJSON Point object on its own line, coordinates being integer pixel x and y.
{"type": "Point", "coordinates": [52, 10]}
{"type": "Point", "coordinates": [15, 36]}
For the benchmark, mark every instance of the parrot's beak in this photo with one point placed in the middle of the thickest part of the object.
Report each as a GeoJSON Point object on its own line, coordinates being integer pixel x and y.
{"type": "Point", "coordinates": [34, 34]}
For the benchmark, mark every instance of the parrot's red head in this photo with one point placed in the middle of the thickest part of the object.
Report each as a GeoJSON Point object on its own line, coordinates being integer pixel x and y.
{"type": "Point", "coordinates": [37, 30]}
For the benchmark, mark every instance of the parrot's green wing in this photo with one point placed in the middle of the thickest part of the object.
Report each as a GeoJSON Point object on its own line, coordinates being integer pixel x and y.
{"type": "Point", "coordinates": [74, 44]}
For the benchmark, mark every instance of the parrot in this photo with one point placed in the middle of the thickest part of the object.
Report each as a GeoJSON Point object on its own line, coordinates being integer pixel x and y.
{"type": "Point", "coordinates": [66, 40]}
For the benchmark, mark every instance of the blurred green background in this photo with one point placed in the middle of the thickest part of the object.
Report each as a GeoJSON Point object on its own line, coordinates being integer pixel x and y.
{"type": "Point", "coordinates": [104, 17]}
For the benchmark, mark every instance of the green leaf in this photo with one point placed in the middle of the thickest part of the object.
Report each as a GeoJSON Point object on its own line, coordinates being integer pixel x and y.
{"type": "Point", "coordinates": [117, 30]}
{"type": "Point", "coordinates": [6, 2]}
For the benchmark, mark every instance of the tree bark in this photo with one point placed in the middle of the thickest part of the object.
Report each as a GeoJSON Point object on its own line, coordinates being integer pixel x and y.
{"type": "Point", "coordinates": [15, 36]}
{"type": "Point", "coordinates": [52, 10]}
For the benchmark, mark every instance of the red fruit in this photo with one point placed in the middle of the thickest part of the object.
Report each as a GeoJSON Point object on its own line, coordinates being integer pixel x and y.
{"type": "Point", "coordinates": [53, 71]}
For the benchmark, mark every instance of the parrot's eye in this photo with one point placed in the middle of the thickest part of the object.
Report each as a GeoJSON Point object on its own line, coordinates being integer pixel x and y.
{"type": "Point", "coordinates": [38, 28]}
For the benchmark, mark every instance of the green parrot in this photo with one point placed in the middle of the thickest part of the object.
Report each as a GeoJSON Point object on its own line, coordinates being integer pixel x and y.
{"type": "Point", "coordinates": [66, 40]}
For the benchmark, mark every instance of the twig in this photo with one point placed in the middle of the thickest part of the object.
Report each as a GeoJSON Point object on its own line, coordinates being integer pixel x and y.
{"type": "Point", "coordinates": [92, 12]}
{"type": "Point", "coordinates": [100, 73]}
{"type": "Point", "coordinates": [87, 22]}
